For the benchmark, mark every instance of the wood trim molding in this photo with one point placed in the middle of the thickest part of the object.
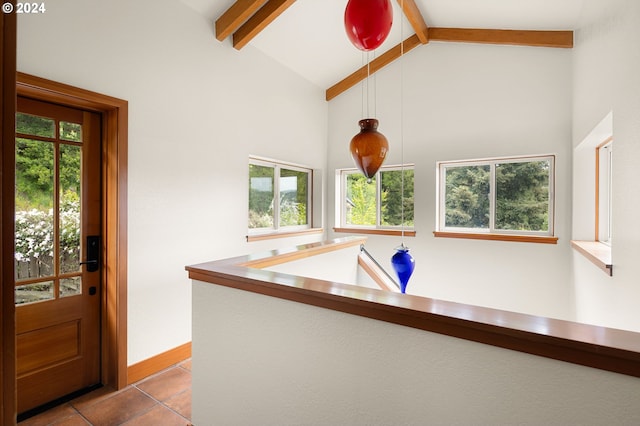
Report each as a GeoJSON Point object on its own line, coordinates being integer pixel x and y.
{"type": "Point", "coordinates": [598, 253]}
{"type": "Point", "coordinates": [235, 16]}
{"type": "Point", "coordinates": [8, 400]}
{"type": "Point", "coordinates": [274, 235]}
{"type": "Point", "coordinates": [597, 186]}
{"type": "Point", "coordinates": [259, 21]}
{"type": "Point", "coordinates": [114, 113]}
{"type": "Point", "coordinates": [593, 346]}
{"type": "Point", "coordinates": [157, 363]}
{"type": "Point", "coordinates": [390, 232]}
{"type": "Point", "coordinates": [497, 237]}
{"type": "Point", "coordinates": [277, 257]}
{"type": "Point", "coordinates": [597, 196]}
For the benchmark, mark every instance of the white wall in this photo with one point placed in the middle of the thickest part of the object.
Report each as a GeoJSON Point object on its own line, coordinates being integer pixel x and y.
{"type": "Point", "coordinates": [267, 361]}
{"type": "Point", "coordinates": [197, 109]}
{"type": "Point", "coordinates": [606, 78]}
{"type": "Point", "coordinates": [464, 101]}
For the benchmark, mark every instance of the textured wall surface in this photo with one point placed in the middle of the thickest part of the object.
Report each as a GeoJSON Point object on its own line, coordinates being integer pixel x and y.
{"type": "Point", "coordinates": [267, 361]}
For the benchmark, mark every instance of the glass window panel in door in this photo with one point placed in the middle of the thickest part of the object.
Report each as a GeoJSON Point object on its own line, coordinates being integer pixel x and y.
{"type": "Point", "coordinates": [34, 125]}
{"type": "Point", "coordinates": [70, 202]}
{"type": "Point", "coordinates": [37, 292]}
{"type": "Point", "coordinates": [34, 220]}
{"type": "Point", "coordinates": [70, 131]}
{"type": "Point", "coordinates": [70, 286]}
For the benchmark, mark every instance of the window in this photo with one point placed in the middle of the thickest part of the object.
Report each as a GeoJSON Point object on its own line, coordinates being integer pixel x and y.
{"type": "Point", "coordinates": [279, 196]}
{"type": "Point", "coordinates": [604, 167]}
{"type": "Point", "coordinates": [378, 203]}
{"type": "Point", "coordinates": [592, 195]}
{"type": "Point", "coordinates": [505, 196]}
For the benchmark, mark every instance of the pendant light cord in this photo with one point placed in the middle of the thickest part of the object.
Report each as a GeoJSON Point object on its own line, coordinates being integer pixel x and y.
{"type": "Point", "coordinates": [402, 117]}
{"type": "Point", "coordinates": [366, 57]}
{"type": "Point", "coordinates": [375, 90]}
{"type": "Point", "coordinates": [362, 86]}
{"type": "Point", "coordinates": [368, 81]}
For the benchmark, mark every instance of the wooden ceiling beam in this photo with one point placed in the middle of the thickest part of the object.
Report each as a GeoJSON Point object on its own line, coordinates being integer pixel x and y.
{"type": "Point", "coordinates": [561, 39]}
{"type": "Point", "coordinates": [375, 65]}
{"type": "Point", "coordinates": [235, 16]}
{"type": "Point", "coordinates": [259, 21]}
{"type": "Point", "coordinates": [411, 11]}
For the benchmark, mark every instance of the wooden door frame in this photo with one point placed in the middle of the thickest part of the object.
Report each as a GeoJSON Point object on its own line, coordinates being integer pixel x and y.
{"type": "Point", "coordinates": [114, 114]}
{"type": "Point", "coordinates": [8, 405]}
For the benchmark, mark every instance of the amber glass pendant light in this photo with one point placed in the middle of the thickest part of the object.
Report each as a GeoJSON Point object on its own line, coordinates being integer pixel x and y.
{"type": "Point", "coordinates": [369, 147]}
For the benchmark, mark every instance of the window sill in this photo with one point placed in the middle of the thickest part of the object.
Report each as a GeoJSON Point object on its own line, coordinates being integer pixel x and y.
{"type": "Point", "coordinates": [599, 254]}
{"type": "Point", "coordinates": [498, 237]}
{"type": "Point", "coordinates": [274, 235]}
{"type": "Point", "coordinates": [391, 232]}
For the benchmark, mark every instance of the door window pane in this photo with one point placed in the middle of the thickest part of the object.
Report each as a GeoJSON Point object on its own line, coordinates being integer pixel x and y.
{"type": "Point", "coordinates": [70, 286]}
{"type": "Point", "coordinates": [70, 131]}
{"type": "Point", "coordinates": [361, 200]}
{"type": "Point", "coordinates": [34, 209]}
{"type": "Point", "coordinates": [70, 208]}
{"type": "Point", "coordinates": [261, 195]}
{"type": "Point", "coordinates": [34, 125]}
{"type": "Point", "coordinates": [522, 196]}
{"type": "Point", "coordinates": [38, 292]}
{"type": "Point", "coordinates": [467, 196]}
{"type": "Point", "coordinates": [294, 197]}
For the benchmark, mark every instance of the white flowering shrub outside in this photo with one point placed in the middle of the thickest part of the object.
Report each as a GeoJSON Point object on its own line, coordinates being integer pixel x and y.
{"type": "Point", "coordinates": [34, 249]}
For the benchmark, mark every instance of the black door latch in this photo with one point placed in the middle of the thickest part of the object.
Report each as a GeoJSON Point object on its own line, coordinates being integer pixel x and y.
{"type": "Point", "coordinates": [93, 253]}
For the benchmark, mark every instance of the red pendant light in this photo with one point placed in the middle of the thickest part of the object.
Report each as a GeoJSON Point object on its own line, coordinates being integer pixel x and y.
{"type": "Point", "coordinates": [369, 147]}
{"type": "Point", "coordinates": [368, 22]}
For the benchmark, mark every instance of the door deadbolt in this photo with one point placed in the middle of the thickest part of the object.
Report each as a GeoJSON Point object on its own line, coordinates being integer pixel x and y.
{"type": "Point", "coordinates": [93, 253]}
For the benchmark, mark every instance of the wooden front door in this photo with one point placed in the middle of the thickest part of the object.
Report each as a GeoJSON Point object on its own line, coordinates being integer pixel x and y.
{"type": "Point", "coordinates": [58, 251]}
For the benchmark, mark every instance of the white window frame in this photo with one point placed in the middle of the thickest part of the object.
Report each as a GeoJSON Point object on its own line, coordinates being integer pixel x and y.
{"type": "Point", "coordinates": [442, 166]}
{"type": "Point", "coordinates": [604, 176]}
{"type": "Point", "coordinates": [341, 197]}
{"type": "Point", "coordinates": [277, 165]}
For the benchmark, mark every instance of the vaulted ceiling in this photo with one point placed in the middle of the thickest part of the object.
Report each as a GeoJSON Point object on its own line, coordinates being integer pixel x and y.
{"type": "Point", "coordinates": [308, 36]}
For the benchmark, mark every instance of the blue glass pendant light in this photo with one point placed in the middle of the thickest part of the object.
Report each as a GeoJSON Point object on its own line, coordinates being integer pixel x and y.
{"type": "Point", "coordinates": [404, 264]}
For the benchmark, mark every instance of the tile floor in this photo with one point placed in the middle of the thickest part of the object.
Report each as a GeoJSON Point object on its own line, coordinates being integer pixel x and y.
{"type": "Point", "coordinates": [163, 399]}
